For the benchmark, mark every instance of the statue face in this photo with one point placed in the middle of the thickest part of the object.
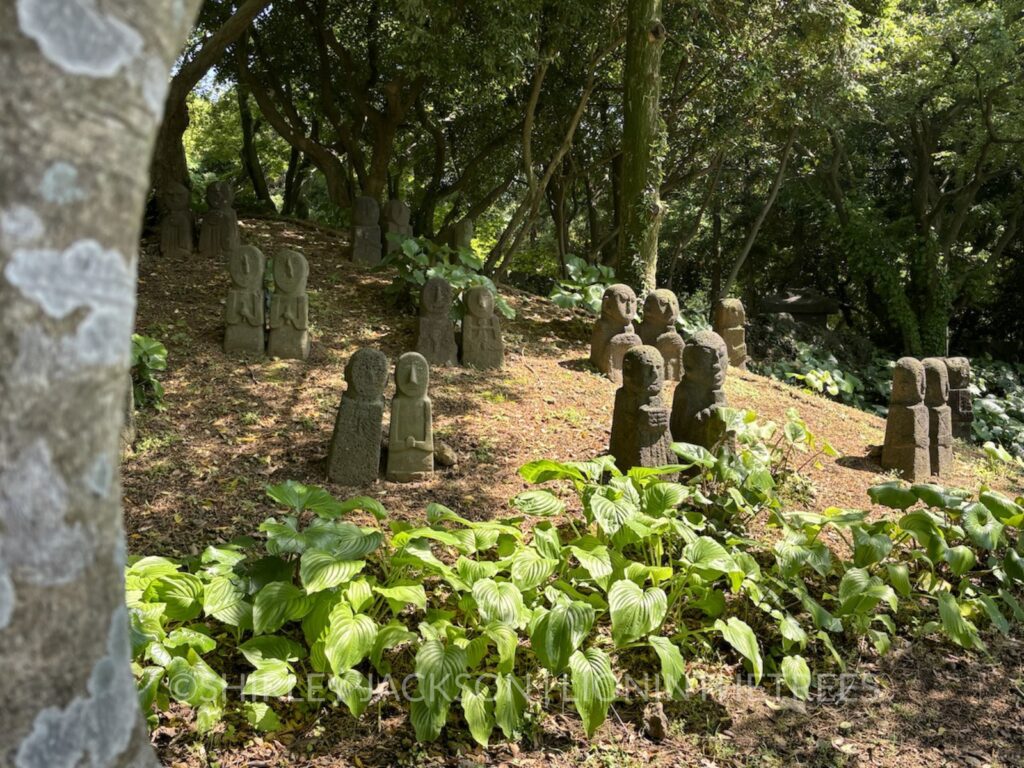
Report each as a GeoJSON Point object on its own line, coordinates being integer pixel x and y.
{"type": "Point", "coordinates": [246, 267]}
{"type": "Point", "coordinates": [661, 308]}
{"type": "Point", "coordinates": [618, 305]}
{"type": "Point", "coordinates": [412, 375]}
{"type": "Point", "coordinates": [436, 298]}
{"type": "Point", "coordinates": [290, 272]}
{"type": "Point", "coordinates": [936, 378]}
{"type": "Point", "coordinates": [643, 370]}
{"type": "Point", "coordinates": [908, 382]}
{"type": "Point", "coordinates": [397, 212]}
{"type": "Point", "coordinates": [706, 360]}
{"type": "Point", "coordinates": [730, 313]}
{"type": "Point", "coordinates": [480, 302]}
{"type": "Point", "coordinates": [219, 195]}
{"type": "Point", "coordinates": [367, 373]}
{"type": "Point", "coordinates": [365, 211]}
{"type": "Point", "coordinates": [175, 197]}
{"type": "Point", "coordinates": [959, 372]}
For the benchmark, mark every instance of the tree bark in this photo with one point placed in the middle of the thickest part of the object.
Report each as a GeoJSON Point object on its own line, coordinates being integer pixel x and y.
{"type": "Point", "coordinates": [250, 157]}
{"type": "Point", "coordinates": [84, 93]}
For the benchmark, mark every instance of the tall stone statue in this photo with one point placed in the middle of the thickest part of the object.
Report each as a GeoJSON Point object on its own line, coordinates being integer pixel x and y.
{"type": "Point", "coordinates": [940, 417]}
{"type": "Point", "coordinates": [243, 314]}
{"type": "Point", "coordinates": [435, 331]}
{"type": "Point", "coordinates": [289, 308]}
{"type": "Point", "coordinates": [394, 220]}
{"type": "Point", "coordinates": [461, 235]}
{"type": "Point", "coordinates": [177, 226]}
{"type": "Point", "coordinates": [906, 427]}
{"type": "Point", "coordinates": [640, 421]}
{"type": "Point", "coordinates": [354, 458]}
{"type": "Point", "coordinates": [961, 403]}
{"type": "Point", "coordinates": [365, 231]}
{"type": "Point", "coordinates": [658, 329]}
{"type": "Point", "coordinates": [613, 333]}
{"type": "Point", "coordinates": [411, 436]}
{"type": "Point", "coordinates": [482, 345]}
{"type": "Point", "coordinates": [729, 322]}
{"type": "Point", "coordinates": [218, 236]}
{"type": "Point", "coordinates": [701, 392]}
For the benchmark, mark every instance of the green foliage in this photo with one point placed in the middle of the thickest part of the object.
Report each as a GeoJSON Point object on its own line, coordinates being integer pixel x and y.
{"type": "Point", "coordinates": [998, 390]}
{"type": "Point", "coordinates": [149, 357]}
{"type": "Point", "coordinates": [584, 286]}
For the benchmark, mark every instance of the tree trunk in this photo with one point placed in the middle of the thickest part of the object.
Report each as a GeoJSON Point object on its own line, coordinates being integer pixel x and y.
{"type": "Point", "coordinates": [72, 188]}
{"type": "Point", "coordinates": [294, 178]}
{"type": "Point", "coordinates": [250, 157]}
{"type": "Point", "coordinates": [643, 143]}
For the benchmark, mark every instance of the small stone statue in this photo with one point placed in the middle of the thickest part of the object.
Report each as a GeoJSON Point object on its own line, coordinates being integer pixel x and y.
{"type": "Point", "coordinates": [289, 308]}
{"type": "Point", "coordinates": [435, 331]}
{"type": "Point", "coordinates": [482, 345]}
{"type": "Point", "coordinates": [940, 417]}
{"type": "Point", "coordinates": [701, 392]}
{"type": "Point", "coordinates": [218, 236]}
{"type": "Point", "coordinates": [177, 227]}
{"type": "Point", "coordinates": [461, 236]}
{"type": "Point", "coordinates": [354, 458]}
{"type": "Point", "coordinates": [365, 231]}
{"type": "Point", "coordinates": [729, 322]}
{"type": "Point", "coordinates": [906, 427]}
{"type": "Point", "coordinates": [613, 333]}
{"type": "Point", "coordinates": [411, 437]}
{"type": "Point", "coordinates": [243, 315]}
{"type": "Point", "coordinates": [960, 400]}
{"type": "Point", "coordinates": [658, 329]}
{"type": "Point", "coordinates": [640, 421]}
{"type": "Point", "coordinates": [394, 220]}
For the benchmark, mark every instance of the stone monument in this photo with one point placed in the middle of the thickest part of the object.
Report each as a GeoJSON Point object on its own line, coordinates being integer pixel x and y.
{"type": "Point", "coordinates": [701, 392]}
{"type": "Point", "coordinates": [940, 417]}
{"type": "Point", "coordinates": [613, 333]}
{"type": "Point", "coordinates": [394, 220]}
{"type": "Point", "coordinates": [729, 322]}
{"type": "Point", "coordinates": [244, 311]}
{"type": "Point", "coordinates": [354, 458]}
{"type": "Point", "coordinates": [435, 331]}
{"type": "Point", "coordinates": [289, 308]}
{"type": "Point", "coordinates": [658, 329]}
{"type": "Point", "coordinates": [640, 421]}
{"type": "Point", "coordinates": [177, 227]}
{"type": "Point", "coordinates": [218, 236]}
{"type": "Point", "coordinates": [906, 427]}
{"type": "Point", "coordinates": [365, 231]}
{"type": "Point", "coordinates": [461, 235]}
{"type": "Point", "coordinates": [410, 437]}
{"type": "Point", "coordinates": [482, 345]}
{"type": "Point", "coordinates": [961, 402]}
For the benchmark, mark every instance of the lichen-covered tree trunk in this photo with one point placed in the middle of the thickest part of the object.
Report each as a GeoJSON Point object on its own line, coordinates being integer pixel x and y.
{"type": "Point", "coordinates": [643, 139]}
{"type": "Point", "coordinates": [84, 90]}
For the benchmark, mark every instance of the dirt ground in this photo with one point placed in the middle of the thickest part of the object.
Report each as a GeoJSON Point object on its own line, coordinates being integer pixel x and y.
{"type": "Point", "coordinates": [198, 469]}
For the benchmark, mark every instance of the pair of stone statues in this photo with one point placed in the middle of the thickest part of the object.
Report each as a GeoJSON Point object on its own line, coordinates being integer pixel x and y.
{"type": "Point", "coordinates": [288, 319]}
{"type": "Point", "coordinates": [371, 226]}
{"type": "Point", "coordinates": [354, 457]}
{"type": "Point", "coordinates": [614, 333]}
{"type": "Point", "coordinates": [218, 235]}
{"type": "Point", "coordinates": [930, 404]}
{"type": "Point", "coordinates": [482, 343]}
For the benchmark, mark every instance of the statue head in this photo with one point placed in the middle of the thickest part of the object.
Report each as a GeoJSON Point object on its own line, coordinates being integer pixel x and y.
{"type": "Point", "coordinates": [480, 302]}
{"type": "Point", "coordinates": [706, 360]}
{"type": "Point", "coordinates": [366, 374]}
{"type": "Point", "coordinates": [397, 212]}
{"type": "Point", "coordinates": [436, 297]}
{"type": "Point", "coordinates": [174, 196]}
{"type": "Point", "coordinates": [365, 212]}
{"type": "Point", "coordinates": [618, 305]}
{"type": "Point", "coordinates": [959, 372]}
{"type": "Point", "coordinates": [936, 381]}
{"type": "Point", "coordinates": [729, 313]}
{"type": "Point", "coordinates": [908, 382]}
{"type": "Point", "coordinates": [661, 308]}
{"type": "Point", "coordinates": [245, 265]}
{"type": "Point", "coordinates": [643, 371]}
{"type": "Point", "coordinates": [412, 375]}
{"type": "Point", "coordinates": [219, 195]}
{"type": "Point", "coordinates": [290, 272]}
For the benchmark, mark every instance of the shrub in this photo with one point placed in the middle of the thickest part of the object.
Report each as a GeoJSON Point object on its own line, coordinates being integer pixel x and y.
{"type": "Point", "coordinates": [149, 356]}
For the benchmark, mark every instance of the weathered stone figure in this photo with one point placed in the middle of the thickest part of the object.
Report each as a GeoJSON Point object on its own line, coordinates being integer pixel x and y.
{"type": "Point", "coordinates": [640, 421]}
{"type": "Point", "coordinates": [177, 227]}
{"type": "Point", "coordinates": [482, 345]}
{"type": "Point", "coordinates": [461, 236]}
{"type": "Point", "coordinates": [289, 307]}
{"type": "Point", "coordinates": [658, 329]}
{"type": "Point", "coordinates": [729, 322]}
{"type": "Point", "coordinates": [354, 458]}
{"type": "Point", "coordinates": [700, 392]}
{"type": "Point", "coordinates": [613, 333]}
{"type": "Point", "coordinates": [243, 314]}
{"type": "Point", "coordinates": [940, 417]}
{"type": "Point", "coordinates": [394, 220]}
{"type": "Point", "coordinates": [435, 331]}
{"type": "Point", "coordinates": [961, 403]}
{"type": "Point", "coordinates": [365, 231]}
{"type": "Point", "coordinates": [218, 236]}
{"type": "Point", "coordinates": [411, 437]}
{"type": "Point", "coordinates": [906, 427]}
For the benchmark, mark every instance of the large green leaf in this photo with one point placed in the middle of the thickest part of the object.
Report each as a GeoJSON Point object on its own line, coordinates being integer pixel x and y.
{"type": "Point", "coordinates": [258, 650]}
{"type": "Point", "coordinates": [499, 602]}
{"type": "Point", "coordinates": [983, 528]}
{"type": "Point", "coordinates": [530, 570]}
{"type": "Point", "coordinates": [193, 682]}
{"type": "Point", "coordinates": [635, 612]}
{"type": "Point", "coordinates": [610, 514]}
{"type": "Point", "coordinates": [543, 470]}
{"type": "Point", "coordinates": [273, 677]}
{"type": "Point", "coordinates": [277, 603]}
{"type": "Point", "coordinates": [559, 632]}
{"type": "Point", "coordinates": [349, 640]}
{"type": "Point", "coordinates": [299, 497]}
{"type": "Point", "coordinates": [596, 561]}
{"type": "Point", "coordinates": [741, 637]}
{"type": "Point", "coordinates": [320, 570]}
{"type": "Point", "coordinates": [182, 594]}
{"type": "Point", "coordinates": [797, 675]}
{"type": "Point", "coordinates": [1004, 509]}
{"type": "Point", "coordinates": [439, 670]}
{"type": "Point", "coordinates": [893, 495]}
{"type": "Point", "coordinates": [959, 629]}
{"type": "Point", "coordinates": [510, 705]}
{"type": "Point", "coordinates": [961, 559]}
{"type": "Point", "coordinates": [539, 503]}
{"type": "Point", "coordinates": [478, 709]}
{"type": "Point", "coordinates": [593, 686]}
{"type": "Point", "coordinates": [869, 548]}
{"type": "Point", "coordinates": [401, 595]}
{"type": "Point", "coordinates": [673, 668]}
{"type": "Point", "coordinates": [352, 689]}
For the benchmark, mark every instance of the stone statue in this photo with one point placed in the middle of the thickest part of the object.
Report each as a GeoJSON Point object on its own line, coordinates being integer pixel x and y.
{"type": "Point", "coordinates": [435, 331]}
{"type": "Point", "coordinates": [613, 333]}
{"type": "Point", "coordinates": [218, 236]}
{"type": "Point", "coordinates": [365, 231]}
{"type": "Point", "coordinates": [940, 417]}
{"type": "Point", "coordinates": [729, 322]}
{"type": "Point", "coordinates": [177, 227]}
{"type": "Point", "coordinates": [243, 315]}
{"type": "Point", "coordinates": [961, 403]}
{"type": "Point", "coordinates": [461, 236]}
{"type": "Point", "coordinates": [701, 392]}
{"type": "Point", "coordinates": [658, 329]}
{"type": "Point", "coordinates": [411, 437]}
{"type": "Point", "coordinates": [289, 308]}
{"type": "Point", "coordinates": [354, 458]}
{"type": "Point", "coordinates": [482, 346]}
{"type": "Point", "coordinates": [906, 427]}
{"type": "Point", "coordinates": [394, 220]}
{"type": "Point", "coordinates": [640, 421]}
